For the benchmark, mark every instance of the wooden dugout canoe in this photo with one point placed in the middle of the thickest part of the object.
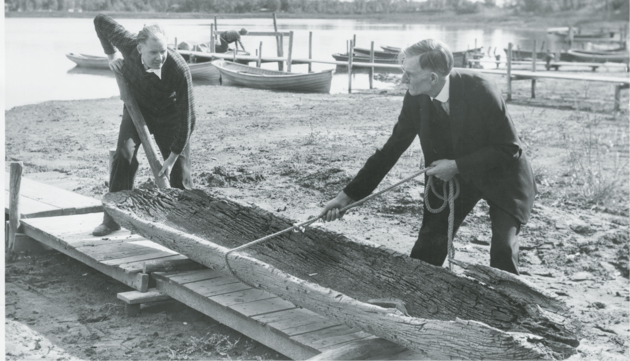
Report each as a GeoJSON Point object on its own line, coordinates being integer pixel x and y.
{"type": "Point", "coordinates": [487, 314]}
{"type": "Point", "coordinates": [89, 61]}
{"type": "Point", "coordinates": [253, 77]}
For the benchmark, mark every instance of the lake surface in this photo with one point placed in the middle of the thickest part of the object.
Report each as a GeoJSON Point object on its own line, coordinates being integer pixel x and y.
{"type": "Point", "coordinates": [37, 70]}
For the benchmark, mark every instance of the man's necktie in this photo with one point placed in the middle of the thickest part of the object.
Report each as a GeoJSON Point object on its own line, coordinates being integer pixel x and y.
{"type": "Point", "coordinates": [440, 109]}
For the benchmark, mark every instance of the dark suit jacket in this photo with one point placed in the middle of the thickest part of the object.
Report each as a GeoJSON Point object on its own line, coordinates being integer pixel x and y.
{"type": "Point", "coordinates": [486, 146]}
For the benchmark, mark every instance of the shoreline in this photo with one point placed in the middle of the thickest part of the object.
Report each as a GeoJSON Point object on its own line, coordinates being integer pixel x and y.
{"type": "Point", "coordinates": [486, 18]}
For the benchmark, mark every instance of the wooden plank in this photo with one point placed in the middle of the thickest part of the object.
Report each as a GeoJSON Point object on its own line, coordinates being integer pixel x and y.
{"type": "Point", "coordinates": [310, 327]}
{"type": "Point", "coordinates": [301, 313]}
{"type": "Point", "coordinates": [242, 296]}
{"type": "Point", "coordinates": [137, 281]}
{"type": "Point", "coordinates": [136, 259]}
{"type": "Point", "coordinates": [30, 208]}
{"type": "Point", "coordinates": [115, 251]}
{"type": "Point", "coordinates": [235, 320]}
{"type": "Point", "coordinates": [58, 197]}
{"type": "Point", "coordinates": [369, 348]}
{"type": "Point", "coordinates": [328, 343]}
{"type": "Point", "coordinates": [135, 297]}
{"type": "Point", "coordinates": [292, 325]}
{"type": "Point", "coordinates": [217, 286]}
{"type": "Point", "coordinates": [171, 263]}
{"type": "Point", "coordinates": [537, 75]}
{"type": "Point", "coordinates": [195, 276]}
{"type": "Point", "coordinates": [330, 336]}
{"type": "Point", "coordinates": [262, 307]}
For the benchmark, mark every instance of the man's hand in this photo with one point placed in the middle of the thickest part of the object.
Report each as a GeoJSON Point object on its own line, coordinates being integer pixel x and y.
{"type": "Point", "coordinates": [443, 169]}
{"type": "Point", "coordinates": [115, 62]}
{"type": "Point", "coordinates": [332, 208]}
{"type": "Point", "coordinates": [168, 164]}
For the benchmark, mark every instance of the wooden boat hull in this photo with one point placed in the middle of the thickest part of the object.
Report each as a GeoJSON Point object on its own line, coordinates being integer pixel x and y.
{"type": "Point", "coordinates": [595, 56]}
{"type": "Point", "coordinates": [449, 316]}
{"type": "Point", "coordinates": [377, 53]}
{"type": "Point", "coordinates": [361, 58]}
{"type": "Point", "coordinates": [89, 61]}
{"type": "Point", "coordinates": [248, 76]}
{"type": "Point", "coordinates": [527, 54]}
{"type": "Point", "coordinates": [204, 71]}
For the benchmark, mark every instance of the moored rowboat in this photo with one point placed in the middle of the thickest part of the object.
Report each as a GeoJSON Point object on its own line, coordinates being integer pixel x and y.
{"type": "Point", "coordinates": [89, 61]}
{"type": "Point", "coordinates": [595, 56]}
{"type": "Point", "coordinates": [445, 315]}
{"type": "Point", "coordinates": [204, 71]}
{"type": "Point", "coordinates": [249, 76]}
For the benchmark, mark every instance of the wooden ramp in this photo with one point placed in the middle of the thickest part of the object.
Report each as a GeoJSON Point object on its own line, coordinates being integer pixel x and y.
{"type": "Point", "coordinates": [42, 200]}
{"type": "Point", "coordinates": [120, 255]}
{"type": "Point", "coordinates": [139, 263]}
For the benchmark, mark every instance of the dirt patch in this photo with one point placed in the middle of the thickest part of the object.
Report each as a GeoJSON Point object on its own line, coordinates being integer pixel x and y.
{"type": "Point", "coordinates": [291, 153]}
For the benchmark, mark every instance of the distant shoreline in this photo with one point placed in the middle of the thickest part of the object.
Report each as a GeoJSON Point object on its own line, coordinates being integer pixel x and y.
{"type": "Point", "coordinates": [489, 17]}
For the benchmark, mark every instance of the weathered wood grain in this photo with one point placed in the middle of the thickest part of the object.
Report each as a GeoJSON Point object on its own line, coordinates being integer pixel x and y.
{"type": "Point", "coordinates": [451, 316]}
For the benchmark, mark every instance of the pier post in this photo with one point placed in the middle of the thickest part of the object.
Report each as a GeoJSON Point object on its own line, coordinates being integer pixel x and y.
{"type": "Point", "coordinates": [371, 61]}
{"type": "Point", "coordinates": [534, 60]}
{"type": "Point", "coordinates": [310, 50]}
{"type": "Point", "coordinates": [350, 54]}
{"type": "Point", "coordinates": [14, 202]}
{"type": "Point", "coordinates": [509, 72]}
{"type": "Point", "coordinates": [212, 44]}
{"type": "Point", "coordinates": [216, 28]}
{"type": "Point", "coordinates": [290, 55]}
{"type": "Point", "coordinates": [259, 61]}
{"type": "Point", "coordinates": [278, 42]}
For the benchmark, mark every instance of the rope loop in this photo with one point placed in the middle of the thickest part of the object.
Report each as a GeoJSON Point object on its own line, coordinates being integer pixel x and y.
{"type": "Point", "coordinates": [450, 192]}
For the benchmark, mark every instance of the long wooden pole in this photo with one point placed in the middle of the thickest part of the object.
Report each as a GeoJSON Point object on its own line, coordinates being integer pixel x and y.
{"type": "Point", "coordinates": [148, 144]}
{"type": "Point", "coordinates": [14, 201]}
{"type": "Point", "coordinates": [259, 61]}
{"type": "Point", "coordinates": [290, 55]}
{"type": "Point", "coordinates": [310, 50]}
{"type": "Point", "coordinates": [509, 72]}
{"type": "Point", "coordinates": [371, 61]}
{"type": "Point", "coordinates": [278, 42]}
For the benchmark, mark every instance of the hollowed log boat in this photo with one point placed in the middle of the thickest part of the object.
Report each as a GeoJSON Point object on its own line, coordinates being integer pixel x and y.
{"type": "Point", "coordinates": [481, 314]}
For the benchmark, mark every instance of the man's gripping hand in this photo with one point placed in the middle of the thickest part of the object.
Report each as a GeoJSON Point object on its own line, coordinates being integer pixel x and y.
{"type": "Point", "coordinates": [115, 62]}
{"type": "Point", "coordinates": [168, 165]}
{"type": "Point", "coordinates": [443, 169]}
{"type": "Point", "coordinates": [331, 210]}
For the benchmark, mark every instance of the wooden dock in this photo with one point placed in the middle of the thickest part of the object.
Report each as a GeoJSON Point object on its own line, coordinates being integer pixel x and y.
{"type": "Point", "coordinates": [157, 273]}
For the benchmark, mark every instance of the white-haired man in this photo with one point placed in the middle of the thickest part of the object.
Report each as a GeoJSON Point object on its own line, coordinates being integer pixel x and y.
{"type": "Point", "coordinates": [466, 132]}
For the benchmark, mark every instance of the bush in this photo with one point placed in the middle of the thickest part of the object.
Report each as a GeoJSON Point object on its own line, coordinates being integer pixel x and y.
{"type": "Point", "coordinates": [468, 7]}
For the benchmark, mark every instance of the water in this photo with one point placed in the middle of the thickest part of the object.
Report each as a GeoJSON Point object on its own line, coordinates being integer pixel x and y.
{"type": "Point", "coordinates": [37, 70]}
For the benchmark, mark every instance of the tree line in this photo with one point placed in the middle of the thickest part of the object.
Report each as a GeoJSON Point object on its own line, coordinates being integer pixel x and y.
{"type": "Point", "coordinates": [299, 6]}
{"type": "Point", "coordinates": [244, 6]}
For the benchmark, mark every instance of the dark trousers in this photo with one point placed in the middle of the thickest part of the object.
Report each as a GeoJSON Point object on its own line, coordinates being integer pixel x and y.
{"type": "Point", "coordinates": [222, 47]}
{"type": "Point", "coordinates": [432, 243]}
{"type": "Point", "coordinates": [125, 164]}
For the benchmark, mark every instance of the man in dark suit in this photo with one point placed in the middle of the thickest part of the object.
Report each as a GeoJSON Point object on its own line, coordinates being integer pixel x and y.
{"type": "Point", "coordinates": [466, 132]}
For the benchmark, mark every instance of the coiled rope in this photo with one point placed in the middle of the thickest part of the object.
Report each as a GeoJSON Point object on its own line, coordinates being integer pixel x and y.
{"type": "Point", "coordinates": [448, 197]}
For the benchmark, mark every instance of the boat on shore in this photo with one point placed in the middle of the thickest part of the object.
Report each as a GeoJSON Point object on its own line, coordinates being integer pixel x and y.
{"type": "Point", "coordinates": [602, 56]}
{"type": "Point", "coordinates": [205, 71]}
{"type": "Point", "coordinates": [89, 61]}
{"type": "Point", "coordinates": [483, 313]}
{"type": "Point", "coordinates": [460, 58]}
{"type": "Point", "coordinates": [518, 54]}
{"type": "Point", "coordinates": [253, 77]}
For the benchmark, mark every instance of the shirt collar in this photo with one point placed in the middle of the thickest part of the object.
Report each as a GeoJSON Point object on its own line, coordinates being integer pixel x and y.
{"type": "Point", "coordinates": [157, 72]}
{"type": "Point", "coordinates": [444, 94]}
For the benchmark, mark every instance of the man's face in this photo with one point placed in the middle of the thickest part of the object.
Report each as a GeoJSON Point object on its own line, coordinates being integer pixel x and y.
{"type": "Point", "coordinates": [420, 81]}
{"type": "Point", "coordinates": [153, 52]}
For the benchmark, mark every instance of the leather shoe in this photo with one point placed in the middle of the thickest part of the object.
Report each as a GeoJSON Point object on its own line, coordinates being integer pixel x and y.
{"type": "Point", "coordinates": [104, 229]}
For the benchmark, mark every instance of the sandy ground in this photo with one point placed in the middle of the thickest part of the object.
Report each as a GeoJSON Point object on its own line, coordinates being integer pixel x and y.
{"type": "Point", "coordinates": [290, 153]}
